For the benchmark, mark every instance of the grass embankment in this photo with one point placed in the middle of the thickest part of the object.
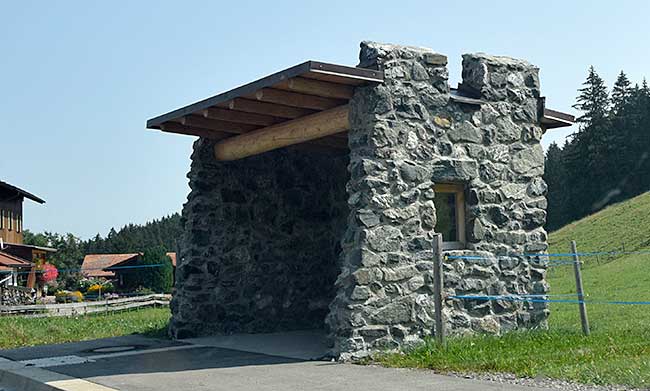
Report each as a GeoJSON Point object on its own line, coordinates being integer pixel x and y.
{"type": "Point", "coordinates": [20, 331]}
{"type": "Point", "coordinates": [618, 350]}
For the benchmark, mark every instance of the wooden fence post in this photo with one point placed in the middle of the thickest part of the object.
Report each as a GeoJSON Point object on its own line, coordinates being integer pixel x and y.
{"type": "Point", "coordinates": [437, 289]}
{"type": "Point", "coordinates": [579, 289]}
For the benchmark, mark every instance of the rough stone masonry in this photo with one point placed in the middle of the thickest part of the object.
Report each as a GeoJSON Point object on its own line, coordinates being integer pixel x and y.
{"type": "Point", "coordinates": [292, 239]}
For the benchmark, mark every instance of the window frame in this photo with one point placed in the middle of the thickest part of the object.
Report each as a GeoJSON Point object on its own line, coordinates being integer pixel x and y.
{"type": "Point", "coordinates": [458, 189]}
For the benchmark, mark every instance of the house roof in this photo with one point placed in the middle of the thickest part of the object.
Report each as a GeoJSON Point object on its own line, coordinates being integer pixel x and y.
{"type": "Point", "coordinates": [12, 261]}
{"type": "Point", "coordinates": [94, 264]}
{"type": "Point", "coordinates": [47, 249]}
{"type": "Point", "coordinates": [173, 258]}
{"type": "Point", "coordinates": [26, 194]}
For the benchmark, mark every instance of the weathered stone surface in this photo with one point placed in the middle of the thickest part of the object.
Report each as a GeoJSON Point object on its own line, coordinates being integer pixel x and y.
{"type": "Point", "coordinates": [465, 132]}
{"type": "Point", "coordinates": [493, 149]}
{"type": "Point", "coordinates": [454, 170]}
{"type": "Point", "coordinates": [292, 239]}
{"type": "Point", "coordinates": [261, 242]}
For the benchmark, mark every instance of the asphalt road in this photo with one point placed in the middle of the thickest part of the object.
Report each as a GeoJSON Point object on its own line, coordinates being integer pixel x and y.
{"type": "Point", "coordinates": [180, 367]}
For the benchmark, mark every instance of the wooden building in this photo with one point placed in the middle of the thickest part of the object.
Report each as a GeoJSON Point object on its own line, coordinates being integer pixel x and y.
{"type": "Point", "coordinates": [96, 265]}
{"type": "Point", "coordinates": [17, 260]}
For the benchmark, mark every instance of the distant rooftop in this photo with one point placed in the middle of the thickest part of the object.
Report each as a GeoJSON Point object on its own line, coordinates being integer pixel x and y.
{"type": "Point", "coordinates": [13, 189]}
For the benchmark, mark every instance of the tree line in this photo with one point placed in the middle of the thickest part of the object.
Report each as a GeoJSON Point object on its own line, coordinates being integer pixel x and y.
{"type": "Point", "coordinates": [607, 160]}
{"type": "Point", "coordinates": [156, 234]}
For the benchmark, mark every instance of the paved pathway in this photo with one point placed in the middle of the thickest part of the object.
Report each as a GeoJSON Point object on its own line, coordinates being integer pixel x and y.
{"type": "Point", "coordinates": [161, 365]}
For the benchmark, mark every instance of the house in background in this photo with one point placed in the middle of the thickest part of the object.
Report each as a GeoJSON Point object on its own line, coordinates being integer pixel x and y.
{"type": "Point", "coordinates": [17, 260]}
{"type": "Point", "coordinates": [114, 266]}
{"type": "Point", "coordinates": [97, 265]}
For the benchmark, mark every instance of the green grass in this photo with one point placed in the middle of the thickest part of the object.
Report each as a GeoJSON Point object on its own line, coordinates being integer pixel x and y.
{"type": "Point", "coordinates": [21, 332]}
{"type": "Point", "coordinates": [618, 350]}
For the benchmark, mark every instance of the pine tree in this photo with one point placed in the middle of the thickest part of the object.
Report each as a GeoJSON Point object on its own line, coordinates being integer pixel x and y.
{"type": "Point", "coordinates": [588, 153]}
{"type": "Point", "coordinates": [593, 100]}
{"type": "Point", "coordinates": [555, 178]}
{"type": "Point", "coordinates": [621, 95]}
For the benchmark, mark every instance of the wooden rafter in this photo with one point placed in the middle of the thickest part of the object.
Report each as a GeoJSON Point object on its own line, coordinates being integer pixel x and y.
{"type": "Point", "coordinates": [239, 116]}
{"type": "Point", "coordinates": [316, 87]}
{"type": "Point", "coordinates": [294, 99]}
{"type": "Point", "coordinates": [174, 127]}
{"type": "Point", "coordinates": [252, 106]}
{"type": "Point", "coordinates": [212, 124]}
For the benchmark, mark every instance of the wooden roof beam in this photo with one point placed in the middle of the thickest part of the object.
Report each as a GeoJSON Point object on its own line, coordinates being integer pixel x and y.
{"type": "Point", "coordinates": [294, 99]}
{"type": "Point", "coordinates": [240, 117]}
{"type": "Point", "coordinates": [212, 124]}
{"type": "Point", "coordinates": [253, 106]}
{"type": "Point", "coordinates": [316, 87]}
{"type": "Point", "coordinates": [308, 128]}
{"type": "Point", "coordinates": [174, 127]}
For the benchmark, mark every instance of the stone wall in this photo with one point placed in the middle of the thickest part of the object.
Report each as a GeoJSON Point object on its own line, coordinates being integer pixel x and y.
{"type": "Point", "coordinates": [270, 241]}
{"type": "Point", "coordinates": [261, 242]}
{"type": "Point", "coordinates": [407, 134]}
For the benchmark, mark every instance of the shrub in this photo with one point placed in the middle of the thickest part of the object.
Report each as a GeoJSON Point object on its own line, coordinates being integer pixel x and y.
{"type": "Point", "coordinates": [84, 284]}
{"type": "Point", "coordinates": [141, 291]}
{"type": "Point", "coordinates": [156, 273]}
{"type": "Point", "coordinates": [68, 297]}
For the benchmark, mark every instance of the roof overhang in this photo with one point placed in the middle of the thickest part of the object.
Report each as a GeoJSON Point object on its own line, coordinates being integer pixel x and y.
{"type": "Point", "coordinates": [288, 95]}
{"type": "Point", "coordinates": [557, 119]}
{"type": "Point", "coordinates": [550, 120]}
{"type": "Point", "coordinates": [40, 248]}
{"type": "Point", "coordinates": [306, 103]}
{"type": "Point", "coordinates": [21, 192]}
{"type": "Point", "coordinates": [12, 261]}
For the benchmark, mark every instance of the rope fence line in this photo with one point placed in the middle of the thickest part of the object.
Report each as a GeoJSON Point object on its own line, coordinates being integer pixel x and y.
{"type": "Point", "coordinates": [549, 256]}
{"type": "Point", "coordinates": [485, 258]}
{"type": "Point", "coordinates": [95, 268]}
{"type": "Point", "coordinates": [530, 299]}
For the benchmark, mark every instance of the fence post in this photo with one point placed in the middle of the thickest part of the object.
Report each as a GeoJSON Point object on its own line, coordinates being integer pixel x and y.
{"type": "Point", "coordinates": [437, 289]}
{"type": "Point", "coordinates": [579, 290]}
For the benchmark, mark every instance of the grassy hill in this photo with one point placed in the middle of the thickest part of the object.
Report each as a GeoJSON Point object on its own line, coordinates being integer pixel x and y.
{"type": "Point", "coordinates": [621, 227]}
{"type": "Point", "coordinates": [618, 349]}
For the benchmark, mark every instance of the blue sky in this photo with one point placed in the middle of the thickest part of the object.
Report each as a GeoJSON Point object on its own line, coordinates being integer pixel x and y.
{"type": "Point", "coordinates": [80, 78]}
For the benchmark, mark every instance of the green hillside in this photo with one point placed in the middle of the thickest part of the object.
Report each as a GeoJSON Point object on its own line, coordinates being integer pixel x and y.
{"type": "Point", "coordinates": [617, 277]}
{"type": "Point", "coordinates": [618, 349]}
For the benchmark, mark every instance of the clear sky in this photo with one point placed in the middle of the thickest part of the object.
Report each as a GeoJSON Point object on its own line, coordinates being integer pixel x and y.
{"type": "Point", "coordinates": [78, 79]}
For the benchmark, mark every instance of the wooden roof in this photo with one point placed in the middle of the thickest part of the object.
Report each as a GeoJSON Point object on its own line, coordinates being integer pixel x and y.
{"type": "Point", "coordinates": [551, 119]}
{"type": "Point", "coordinates": [557, 119]}
{"type": "Point", "coordinates": [286, 98]}
{"type": "Point", "coordinates": [296, 92]}
{"type": "Point", "coordinates": [94, 264]}
{"type": "Point", "coordinates": [11, 261]}
{"type": "Point", "coordinates": [26, 194]}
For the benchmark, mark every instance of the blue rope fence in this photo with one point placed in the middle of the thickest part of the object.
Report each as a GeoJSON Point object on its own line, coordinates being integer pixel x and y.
{"type": "Point", "coordinates": [97, 268]}
{"type": "Point", "coordinates": [534, 299]}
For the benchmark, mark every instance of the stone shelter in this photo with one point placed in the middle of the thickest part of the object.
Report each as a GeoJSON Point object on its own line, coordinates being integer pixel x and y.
{"type": "Point", "coordinates": [316, 194]}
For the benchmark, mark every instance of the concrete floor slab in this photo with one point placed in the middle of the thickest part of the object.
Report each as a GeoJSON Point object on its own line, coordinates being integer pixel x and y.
{"type": "Point", "coordinates": [302, 345]}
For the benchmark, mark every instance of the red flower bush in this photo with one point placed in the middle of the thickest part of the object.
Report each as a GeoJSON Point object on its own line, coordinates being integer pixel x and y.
{"type": "Point", "coordinates": [49, 272]}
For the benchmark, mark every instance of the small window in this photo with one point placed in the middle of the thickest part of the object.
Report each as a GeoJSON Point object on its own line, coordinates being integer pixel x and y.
{"type": "Point", "coordinates": [19, 223]}
{"type": "Point", "coordinates": [450, 213]}
{"type": "Point", "coordinates": [2, 219]}
{"type": "Point", "coordinates": [10, 216]}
